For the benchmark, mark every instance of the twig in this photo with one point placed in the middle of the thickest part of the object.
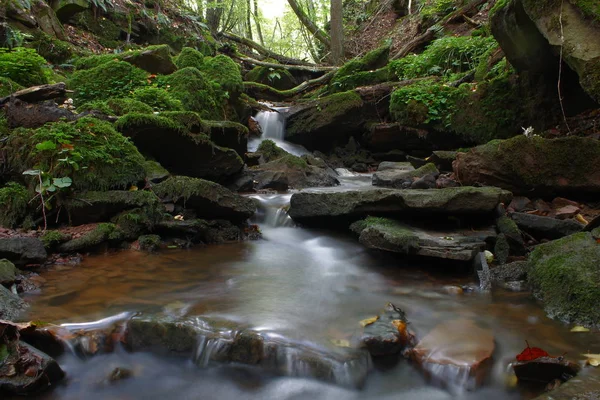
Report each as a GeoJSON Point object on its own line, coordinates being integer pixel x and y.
{"type": "Point", "coordinates": [560, 61]}
{"type": "Point", "coordinates": [43, 204]}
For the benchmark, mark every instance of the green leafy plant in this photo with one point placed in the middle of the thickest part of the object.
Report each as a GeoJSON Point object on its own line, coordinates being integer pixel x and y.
{"type": "Point", "coordinates": [24, 66]}
{"type": "Point", "coordinates": [47, 188]}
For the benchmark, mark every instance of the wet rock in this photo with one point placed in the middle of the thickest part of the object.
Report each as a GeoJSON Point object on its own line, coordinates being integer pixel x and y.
{"type": "Point", "coordinates": [243, 184]}
{"type": "Point", "coordinates": [482, 269]}
{"type": "Point", "coordinates": [398, 178]}
{"type": "Point", "coordinates": [208, 199]}
{"type": "Point", "coordinates": [161, 336]}
{"type": "Point", "coordinates": [511, 272]}
{"type": "Point", "coordinates": [27, 370]}
{"type": "Point", "coordinates": [426, 182]}
{"type": "Point", "coordinates": [388, 334]}
{"type": "Point", "coordinates": [510, 229]}
{"type": "Point", "coordinates": [118, 374]}
{"type": "Point", "coordinates": [546, 227]}
{"type": "Point", "coordinates": [399, 166]}
{"type": "Point", "coordinates": [291, 171]}
{"type": "Point", "coordinates": [456, 353]}
{"type": "Point", "coordinates": [276, 180]}
{"type": "Point", "coordinates": [565, 276]}
{"type": "Point", "coordinates": [11, 305]}
{"type": "Point", "coordinates": [443, 159]}
{"type": "Point", "coordinates": [201, 231]}
{"type": "Point", "coordinates": [23, 250]}
{"type": "Point", "coordinates": [155, 173]}
{"type": "Point", "coordinates": [501, 249]}
{"type": "Point", "coordinates": [315, 208]}
{"type": "Point", "coordinates": [7, 272]}
{"type": "Point", "coordinates": [247, 348]}
{"type": "Point", "coordinates": [416, 162]}
{"type": "Point", "coordinates": [533, 165]}
{"type": "Point", "coordinates": [389, 235]}
{"type": "Point", "coordinates": [360, 167]}
{"type": "Point", "coordinates": [446, 181]}
{"type": "Point", "coordinates": [560, 202]}
{"type": "Point", "coordinates": [520, 204]}
{"type": "Point", "coordinates": [545, 370]}
{"type": "Point", "coordinates": [582, 387]}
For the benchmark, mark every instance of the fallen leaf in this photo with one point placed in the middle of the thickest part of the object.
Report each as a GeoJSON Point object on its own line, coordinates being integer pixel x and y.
{"type": "Point", "coordinates": [580, 218]}
{"type": "Point", "coordinates": [592, 359]}
{"type": "Point", "coordinates": [340, 342]}
{"type": "Point", "coordinates": [400, 325]}
{"type": "Point", "coordinates": [368, 321]}
{"type": "Point", "coordinates": [531, 353]}
{"type": "Point", "coordinates": [31, 371]}
{"type": "Point", "coordinates": [133, 188]}
{"type": "Point", "coordinates": [579, 329]}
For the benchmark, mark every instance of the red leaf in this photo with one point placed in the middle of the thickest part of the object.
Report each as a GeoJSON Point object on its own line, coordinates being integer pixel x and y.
{"type": "Point", "coordinates": [531, 353]}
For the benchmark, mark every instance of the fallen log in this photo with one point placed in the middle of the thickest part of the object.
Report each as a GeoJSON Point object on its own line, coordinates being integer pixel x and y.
{"type": "Point", "coordinates": [36, 94]}
{"type": "Point", "coordinates": [266, 92]}
{"type": "Point", "coordinates": [262, 50]}
{"type": "Point", "coordinates": [309, 68]}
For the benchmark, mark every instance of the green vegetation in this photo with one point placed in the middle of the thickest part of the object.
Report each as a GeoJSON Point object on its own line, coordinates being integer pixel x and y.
{"type": "Point", "coordinates": [195, 92]}
{"type": "Point", "coordinates": [445, 57]}
{"type": "Point", "coordinates": [89, 151]}
{"type": "Point", "coordinates": [8, 86]}
{"type": "Point", "coordinates": [279, 79]}
{"type": "Point", "coordinates": [437, 8]}
{"type": "Point", "coordinates": [54, 50]}
{"type": "Point", "coordinates": [158, 99]}
{"type": "Point", "coordinates": [149, 242]}
{"type": "Point", "coordinates": [52, 238]}
{"type": "Point", "coordinates": [13, 204]}
{"type": "Point", "coordinates": [24, 66]}
{"type": "Point", "coordinates": [189, 58]}
{"type": "Point", "coordinates": [589, 8]}
{"type": "Point", "coordinates": [500, 4]}
{"type": "Point", "coordinates": [565, 275]}
{"type": "Point", "coordinates": [183, 188]}
{"type": "Point", "coordinates": [112, 79]}
{"type": "Point", "coordinates": [224, 71]}
{"type": "Point", "coordinates": [117, 107]}
{"type": "Point", "coordinates": [103, 233]}
{"type": "Point", "coordinates": [363, 78]}
{"type": "Point", "coordinates": [394, 232]}
{"type": "Point", "coordinates": [94, 61]}
{"type": "Point", "coordinates": [373, 60]}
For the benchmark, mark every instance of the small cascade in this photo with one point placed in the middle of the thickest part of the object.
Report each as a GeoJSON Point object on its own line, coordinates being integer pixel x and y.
{"type": "Point", "coordinates": [272, 123]}
{"type": "Point", "coordinates": [272, 210]}
{"type": "Point", "coordinates": [211, 348]}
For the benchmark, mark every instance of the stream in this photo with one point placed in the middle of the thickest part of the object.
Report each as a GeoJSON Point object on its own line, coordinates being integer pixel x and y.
{"type": "Point", "coordinates": [311, 287]}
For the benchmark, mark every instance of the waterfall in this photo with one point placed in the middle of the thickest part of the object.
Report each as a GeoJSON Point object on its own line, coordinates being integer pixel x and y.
{"type": "Point", "coordinates": [272, 124]}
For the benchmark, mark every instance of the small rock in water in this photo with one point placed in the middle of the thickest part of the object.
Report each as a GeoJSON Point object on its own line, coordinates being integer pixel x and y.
{"type": "Point", "coordinates": [456, 353]}
{"type": "Point", "coordinates": [545, 370]}
{"type": "Point", "coordinates": [118, 374]}
{"type": "Point", "coordinates": [388, 334]}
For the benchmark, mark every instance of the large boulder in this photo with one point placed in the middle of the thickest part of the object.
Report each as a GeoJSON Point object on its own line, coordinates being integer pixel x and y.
{"type": "Point", "coordinates": [23, 250]}
{"type": "Point", "coordinates": [532, 33]}
{"type": "Point", "coordinates": [392, 135]}
{"type": "Point", "coordinates": [39, 15]}
{"type": "Point", "coordinates": [396, 237]}
{"type": "Point", "coordinates": [533, 165]}
{"type": "Point", "coordinates": [290, 171]}
{"type": "Point", "coordinates": [177, 140]}
{"type": "Point", "coordinates": [565, 276]}
{"type": "Point", "coordinates": [320, 208]}
{"type": "Point", "coordinates": [210, 200]}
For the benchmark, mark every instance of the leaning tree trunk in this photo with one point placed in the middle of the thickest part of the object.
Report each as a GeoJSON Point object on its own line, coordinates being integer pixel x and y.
{"type": "Point", "coordinates": [310, 25]}
{"type": "Point", "coordinates": [257, 22]}
{"type": "Point", "coordinates": [337, 32]}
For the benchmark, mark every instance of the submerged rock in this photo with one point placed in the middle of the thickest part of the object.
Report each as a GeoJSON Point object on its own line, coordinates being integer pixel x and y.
{"type": "Point", "coordinates": [23, 250]}
{"type": "Point", "coordinates": [565, 276]}
{"type": "Point", "coordinates": [318, 208]}
{"type": "Point", "coordinates": [394, 236]}
{"type": "Point", "coordinates": [525, 165]}
{"type": "Point", "coordinates": [456, 353]}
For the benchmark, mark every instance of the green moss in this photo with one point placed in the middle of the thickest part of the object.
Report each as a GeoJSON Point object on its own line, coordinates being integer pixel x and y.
{"type": "Point", "coordinates": [149, 242]}
{"type": "Point", "coordinates": [330, 107]}
{"type": "Point", "coordinates": [189, 58]}
{"type": "Point", "coordinates": [102, 233]}
{"type": "Point", "coordinates": [434, 9]}
{"type": "Point", "coordinates": [501, 249]}
{"type": "Point", "coordinates": [14, 199]}
{"type": "Point", "coordinates": [293, 161]}
{"type": "Point", "coordinates": [500, 4]}
{"type": "Point", "coordinates": [135, 222]}
{"type": "Point", "coordinates": [8, 86]}
{"type": "Point", "coordinates": [155, 171]}
{"type": "Point", "coordinates": [225, 72]}
{"type": "Point", "coordinates": [113, 79]}
{"type": "Point", "coordinates": [363, 78]}
{"type": "Point", "coordinates": [117, 107]}
{"type": "Point", "coordinates": [24, 66]}
{"type": "Point", "coordinates": [53, 238]}
{"type": "Point", "coordinates": [394, 232]}
{"type": "Point", "coordinates": [135, 121]}
{"type": "Point", "coordinates": [508, 227]}
{"type": "Point", "coordinates": [105, 158]}
{"type": "Point", "coordinates": [94, 61]}
{"type": "Point", "coordinates": [270, 151]}
{"type": "Point", "coordinates": [565, 275]}
{"type": "Point", "coordinates": [183, 187]}
{"type": "Point", "coordinates": [589, 8]}
{"type": "Point", "coordinates": [54, 50]}
{"type": "Point", "coordinates": [373, 60]}
{"type": "Point", "coordinates": [158, 99]}
{"type": "Point", "coordinates": [195, 92]}
{"type": "Point", "coordinates": [277, 78]}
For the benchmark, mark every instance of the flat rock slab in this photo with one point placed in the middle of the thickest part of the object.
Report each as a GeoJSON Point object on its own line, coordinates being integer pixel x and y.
{"type": "Point", "coordinates": [318, 208]}
{"type": "Point", "coordinates": [456, 353]}
{"type": "Point", "coordinates": [546, 227]}
{"type": "Point", "coordinates": [23, 250]}
{"type": "Point", "coordinates": [389, 235]}
{"type": "Point", "coordinates": [210, 341]}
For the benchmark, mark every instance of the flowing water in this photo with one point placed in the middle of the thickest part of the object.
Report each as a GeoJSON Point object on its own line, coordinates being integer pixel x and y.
{"type": "Point", "coordinates": [307, 287]}
{"type": "Point", "coordinates": [273, 128]}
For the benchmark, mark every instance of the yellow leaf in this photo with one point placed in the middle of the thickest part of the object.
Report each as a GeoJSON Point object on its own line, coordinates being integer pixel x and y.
{"type": "Point", "coordinates": [579, 329]}
{"type": "Point", "coordinates": [340, 342]}
{"type": "Point", "coordinates": [594, 362]}
{"type": "Point", "coordinates": [133, 188]}
{"type": "Point", "coordinates": [580, 218]}
{"type": "Point", "coordinates": [400, 325]}
{"type": "Point", "coordinates": [368, 321]}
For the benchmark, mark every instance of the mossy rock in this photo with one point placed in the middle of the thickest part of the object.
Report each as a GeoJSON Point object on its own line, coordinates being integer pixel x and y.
{"type": "Point", "coordinates": [565, 276]}
{"type": "Point", "coordinates": [399, 178]}
{"type": "Point", "coordinates": [323, 123]}
{"type": "Point", "coordinates": [195, 92]}
{"type": "Point", "coordinates": [534, 165]}
{"type": "Point", "coordinates": [189, 57]}
{"type": "Point", "coordinates": [362, 78]}
{"type": "Point", "coordinates": [149, 243]}
{"type": "Point", "coordinates": [225, 72]}
{"type": "Point", "coordinates": [228, 134]}
{"type": "Point", "coordinates": [65, 9]}
{"type": "Point", "coordinates": [138, 221]}
{"type": "Point", "coordinates": [53, 239]}
{"type": "Point", "coordinates": [373, 60]}
{"type": "Point", "coordinates": [155, 172]}
{"type": "Point", "coordinates": [279, 79]}
{"type": "Point", "coordinates": [24, 66]}
{"type": "Point", "coordinates": [8, 272]}
{"type": "Point", "coordinates": [270, 151]}
{"type": "Point", "coordinates": [14, 201]}
{"type": "Point", "coordinates": [209, 200]}
{"type": "Point", "coordinates": [109, 80]}
{"type": "Point", "coordinates": [89, 62]}
{"type": "Point", "coordinates": [157, 98]}
{"type": "Point", "coordinates": [54, 50]}
{"type": "Point", "coordinates": [177, 140]}
{"type": "Point", "coordinates": [153, 59]}
{"type": "Point", "coordinates": [105, 233]}
{"type": "Point", "coordinates": [110, 159]}
{"type": "Point", "coordinates": [117, 107]}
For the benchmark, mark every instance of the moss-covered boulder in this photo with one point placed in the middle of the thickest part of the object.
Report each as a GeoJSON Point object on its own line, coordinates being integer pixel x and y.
{"type": "Point", "coordinates": [189, 57]}
{"type": "Point", "coordinates": [228, 134]}
{"type": "Point", "coordinates": [180, 143]}
{"type": "Point", "coordinates": [290, 171]}
{"type": "Point", "coordinates": [23, 66]}
{"type": "Point", "coordinates": [393, 236]}
{"type": "Point", "coordinates": [524, 165]}
{"type": "Point", "coordinates": [279, 79]}
{"type": "Point", "coordinates": [210, 200]}
{"type": "Point", "coordinates": [153, 59]}
{"type": "Point", "coordinates": [14, 200]}
{"type": "Point", "coordinates": [371, 61]}
{"type": "Point", "coordinates": [103, 234]}
{"type": "Point", "coordinates": [565, 276]}
{"type": "Point", "coordinates": [225, 72]}
{"type": "Point", "coordinates": [158, 99]}
{"type": "Point", "coordinates": [324, 123]}
{"type": "Point", "coordinates": [195, 91]}
{"type": "Point", "coordinates": [317, 208]}
{"type": "Point", "coordinates": [533, 32]}
{"type": "Point", "coordinates": [112, 79]}
{"type": "Point", "coordinates": [34, 14]}
{"type": "Point", "coordinates": [101, 157]}
{"type": "Point", "coordinates": [362, 78]}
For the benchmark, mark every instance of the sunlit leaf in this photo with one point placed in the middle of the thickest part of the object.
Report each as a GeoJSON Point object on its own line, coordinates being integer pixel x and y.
{"type": "Point", "coordinates": [368, 321]}
{"type": "Point", "coordinates": [579, 329]}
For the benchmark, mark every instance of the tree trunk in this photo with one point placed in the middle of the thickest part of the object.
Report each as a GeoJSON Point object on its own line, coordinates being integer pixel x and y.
{"type": "Point", "coordinates": [257, 22]}
{"type": "Point", "coordinates": [213, 15]}
{"type": "Point", "coordinates": [337, 32]}
{"type": "Point", "coordinates": [310, 25]}
{"type": "Point", "coordinates": [249, 19]}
